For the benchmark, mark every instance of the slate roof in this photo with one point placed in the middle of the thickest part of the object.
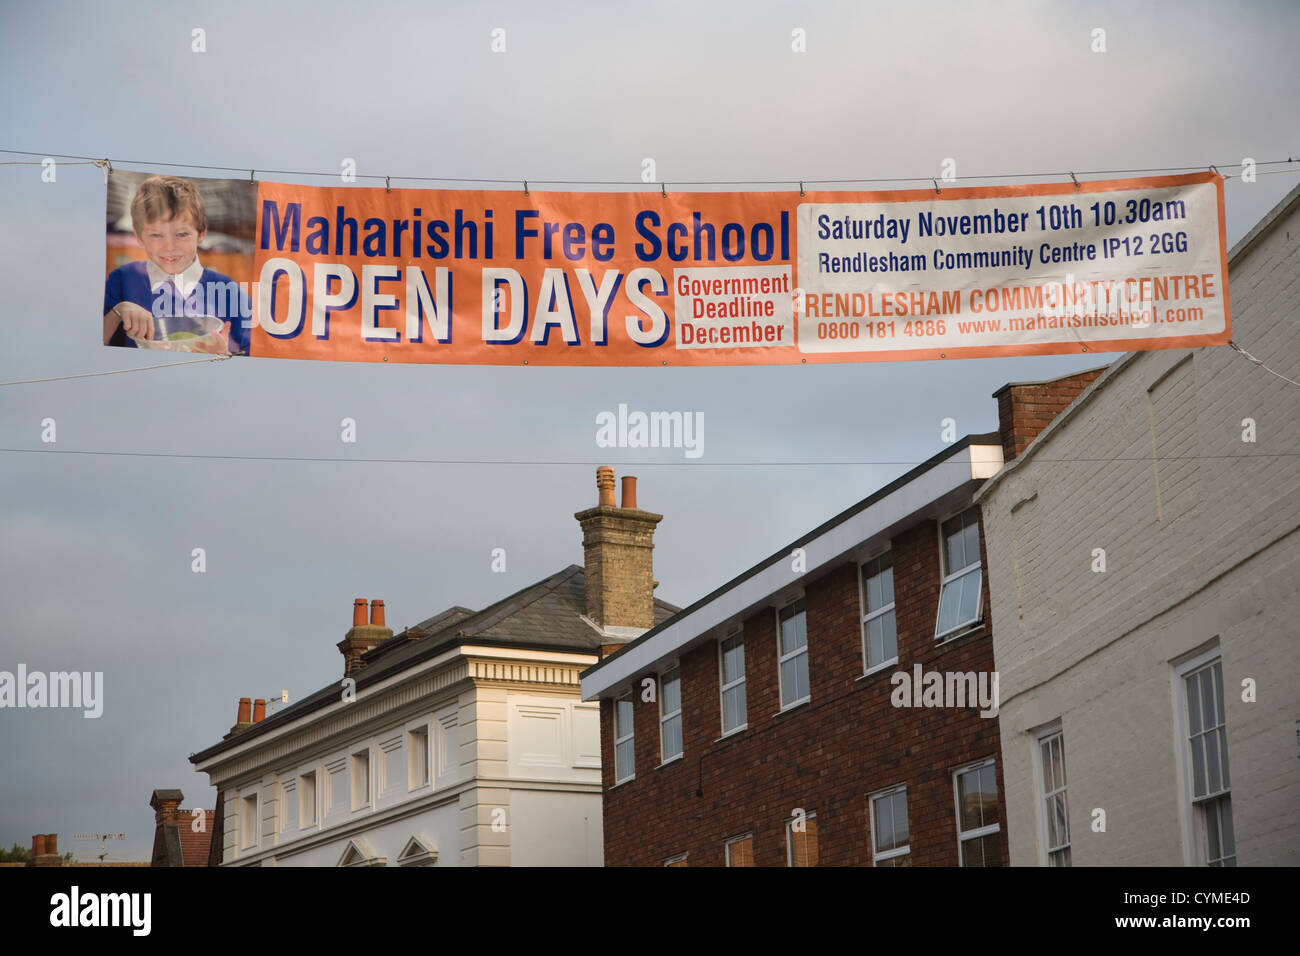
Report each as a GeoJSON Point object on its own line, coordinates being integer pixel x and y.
{"type": "Point", "coordinates": [543, 616]}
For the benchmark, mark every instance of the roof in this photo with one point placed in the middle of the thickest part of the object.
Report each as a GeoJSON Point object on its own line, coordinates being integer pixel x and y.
{"type": "Point", "coordinates": [194, 846]}
{"type": "Point", "coordinates": [548, 615]}
{"type": "Point", "coordinates": [828, 540]}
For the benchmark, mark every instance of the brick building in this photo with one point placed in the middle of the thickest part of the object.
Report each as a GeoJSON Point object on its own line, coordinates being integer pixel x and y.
{"type": "Point", "coordinates": [765, 724]}
{"type": "Point", "coordinates": [1145, 567]}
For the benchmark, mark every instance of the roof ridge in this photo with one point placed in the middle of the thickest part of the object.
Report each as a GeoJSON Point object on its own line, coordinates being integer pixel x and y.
{"type": "Point", "coordinates": [545, 586]}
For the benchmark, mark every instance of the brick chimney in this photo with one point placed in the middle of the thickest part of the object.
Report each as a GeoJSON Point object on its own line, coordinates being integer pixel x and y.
{"type": "Point", "coordinates": [361, 637]}
{"type": "Point", "coordinates": [45, 850]}
{"type": "Point", "coordinates": [166, 828]}
{"type": "Point", "coordinates": [618, 544]}
{"type": "Point", "coordinates": [1026, 408]}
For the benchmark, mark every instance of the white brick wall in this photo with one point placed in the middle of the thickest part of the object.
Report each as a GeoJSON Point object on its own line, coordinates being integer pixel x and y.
{"type": "Point", "coordinates": [1222, 561]}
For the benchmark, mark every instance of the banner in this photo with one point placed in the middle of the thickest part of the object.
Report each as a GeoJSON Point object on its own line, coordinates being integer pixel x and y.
{"type": "Point", "coordinates": [354, 274]}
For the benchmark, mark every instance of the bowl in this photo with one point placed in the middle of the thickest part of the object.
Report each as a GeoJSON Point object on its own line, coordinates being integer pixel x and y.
{"type": "Point", "coordinates": [184, 333]}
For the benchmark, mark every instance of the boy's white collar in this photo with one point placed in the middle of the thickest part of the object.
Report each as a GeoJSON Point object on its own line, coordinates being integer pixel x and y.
{"type": "Point", "coordinates": [185, 281]}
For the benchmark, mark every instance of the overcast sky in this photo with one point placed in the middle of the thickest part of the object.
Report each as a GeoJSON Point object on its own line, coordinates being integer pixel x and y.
{"type": "Point", "coordinates": [95, 549]}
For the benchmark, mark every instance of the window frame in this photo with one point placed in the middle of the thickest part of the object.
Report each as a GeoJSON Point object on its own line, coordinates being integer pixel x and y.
{"type": "Point", "coordinates": [677, 714]}
{"type": "Point", "coordinates": [1191, 807]}
{"type": "Point", "coordinates": [426, 754]}
{"type": "Point", "coordinates": [982, 831]}
{"type": "Point", "coordinates": [302, 799]}
{"type": "Point", "coordinates": [724, 686]}
{"type": "Point", "coordinates": [947, 576]}
{"type": "Point", "coordinates": [867, 667]}
{"type": "Point", "coordinates": [255, 798]}
{"type": "Point", "coordinates": [354, 757]}
{"type": "Point", "coordinates": [1040, 736]}
{"type": "Point", "coordinates": [877, 857]}
{"type": "Point", "coordinates": [730, 842]}
{"type": "Point", "coordinates": [629, 737]}
{"type": "Point", "coordinates": [679, 859]}
{"type": "Point", "coordinates": [789, 839]}
{"type": "Point", "coordinates": [783, 658]}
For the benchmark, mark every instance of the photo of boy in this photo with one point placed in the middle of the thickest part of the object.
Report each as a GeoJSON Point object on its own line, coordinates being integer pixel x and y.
{"type": "Point", "coordinates": [149, 300]}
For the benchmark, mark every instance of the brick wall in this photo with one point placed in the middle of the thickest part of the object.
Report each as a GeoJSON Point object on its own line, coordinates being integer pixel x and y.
{"type": "Point", "coordinates": [825, 756]}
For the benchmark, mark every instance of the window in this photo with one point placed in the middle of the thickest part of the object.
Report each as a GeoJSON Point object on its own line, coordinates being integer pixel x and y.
{"type": "Point", "coordinates": [732, 653]}
{"type": "Point", "coordinates": [679, 860]}
{"type": "Point", "coordinates": [417, 758]}
{"type": "Point", "coordinates": [670, 715]}
{"type": "Point", "coordinates": [801, 843]}
{"type": "Point", "coordinates": [889, 832]}
{"type": "Point", "coordinates": [879, 629]}
{"type": "Point", "coordinates": [1207, 740]}
{"type": "Point", "coordinates": [307, 800]}
{"type": "Point", "coordinates": [978, 822]}
{"type": "Point", "coordinates": [248, 822]}
{"type": "Point", "coordinates": [959, 598]}
{"type": "Point", "coordinates": [361, 779]}
{"type": "Point", "coordinates": [624, 759]}
{"type": "Point", "coordinates": [740, 850]}
{"type": "Point", "coordinates": [1056, 810]}
{"type": "Point", "coordinates": [792, 648]}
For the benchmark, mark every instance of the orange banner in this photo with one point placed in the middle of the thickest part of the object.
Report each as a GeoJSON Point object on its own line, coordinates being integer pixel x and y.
{"type": "Point", "coordinates": [619, 279]}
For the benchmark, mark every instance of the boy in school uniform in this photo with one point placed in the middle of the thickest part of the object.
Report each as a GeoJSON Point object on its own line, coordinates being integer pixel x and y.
{"type": "Point", "coordinates": [170, 220]}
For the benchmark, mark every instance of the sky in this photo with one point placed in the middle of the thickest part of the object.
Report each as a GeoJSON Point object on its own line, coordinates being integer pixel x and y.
{"type": "Point", "coordinates": [98, 528]}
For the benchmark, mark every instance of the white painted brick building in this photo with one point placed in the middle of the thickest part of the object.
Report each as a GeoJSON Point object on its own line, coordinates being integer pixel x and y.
{"type": "Point", "coordinates": [1200, 593]}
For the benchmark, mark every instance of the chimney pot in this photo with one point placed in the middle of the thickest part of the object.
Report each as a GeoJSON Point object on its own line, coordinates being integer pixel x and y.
{"type": "Point", "coordinates": [605, 485]}
{"type": "Point", "coordinates": [259, 710]}
{"type": "Point", "coordinates": [629, 491]}
{"type": "Point", "coordinates": [358, 612]}
{"type": "Point", "coordinates": [38, 844]}
{"type": "Point", "coordinates": [52, 843]}
{"type": "Point", "coordinates": [377, 613]}
{"type": "Point", "coordinates": [242, 715]}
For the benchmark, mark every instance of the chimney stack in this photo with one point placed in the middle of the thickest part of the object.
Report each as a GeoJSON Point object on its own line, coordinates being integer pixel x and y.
{"type": "Point", "coordinates": [362, 636]}
{"type": "Point", "coordinates": [243, 716]}
{"type": "Point", "coordinates": [1026, 408]}
{"type": "Point", "coordinates": [166, 806]}
{"type": "Point", "coordinates": [45, 850]}
{"type": "Point", "coordinates": [618, 546]}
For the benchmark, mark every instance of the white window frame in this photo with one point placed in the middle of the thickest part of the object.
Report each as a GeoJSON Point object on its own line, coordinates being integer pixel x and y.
{"type": "Point", "coordinates": [906, 850]}
{"type": "Point", "coordinates": [1195, 847]}
{"type": "Point", "coordinates": [302, 799]}
{"type": "Point", "coordinates": [1039, 737]}
{"type": "Point", "coordinates": [724, 685]}
{"type": "Point", "coordinates": [679, 858]}
{"type": "Point", "coordinates": [782, 658]}
{"type": "Point", "coordinates": [964, 835]}
{"type": "Point", "coordinates": [664, 718]}
{"type": "Point", "coordinates": [734, 840]}
{"type": "Point", "coordinates": [244, 800]}
{"type": "Point", "coordinates": [867, 666]}
{"type": "Point", "coordinates": [413, 734]}
{"type": "Point", "coordinates": [789, 838]}
{"type": "Point", "coordinates": [353, 759]}
{"type": "Point", "coordinates": [629, 737]}
{"type": "Point", "coordinates": [947, 575]}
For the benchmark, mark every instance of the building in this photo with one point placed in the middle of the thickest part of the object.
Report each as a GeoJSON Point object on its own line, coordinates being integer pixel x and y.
{"type": "Point", "coordinates": [461, 741]}
{"type": "Point", "coordinates": [1145, 567]}
{"type": "Point", "coordinates": [835, 704]}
